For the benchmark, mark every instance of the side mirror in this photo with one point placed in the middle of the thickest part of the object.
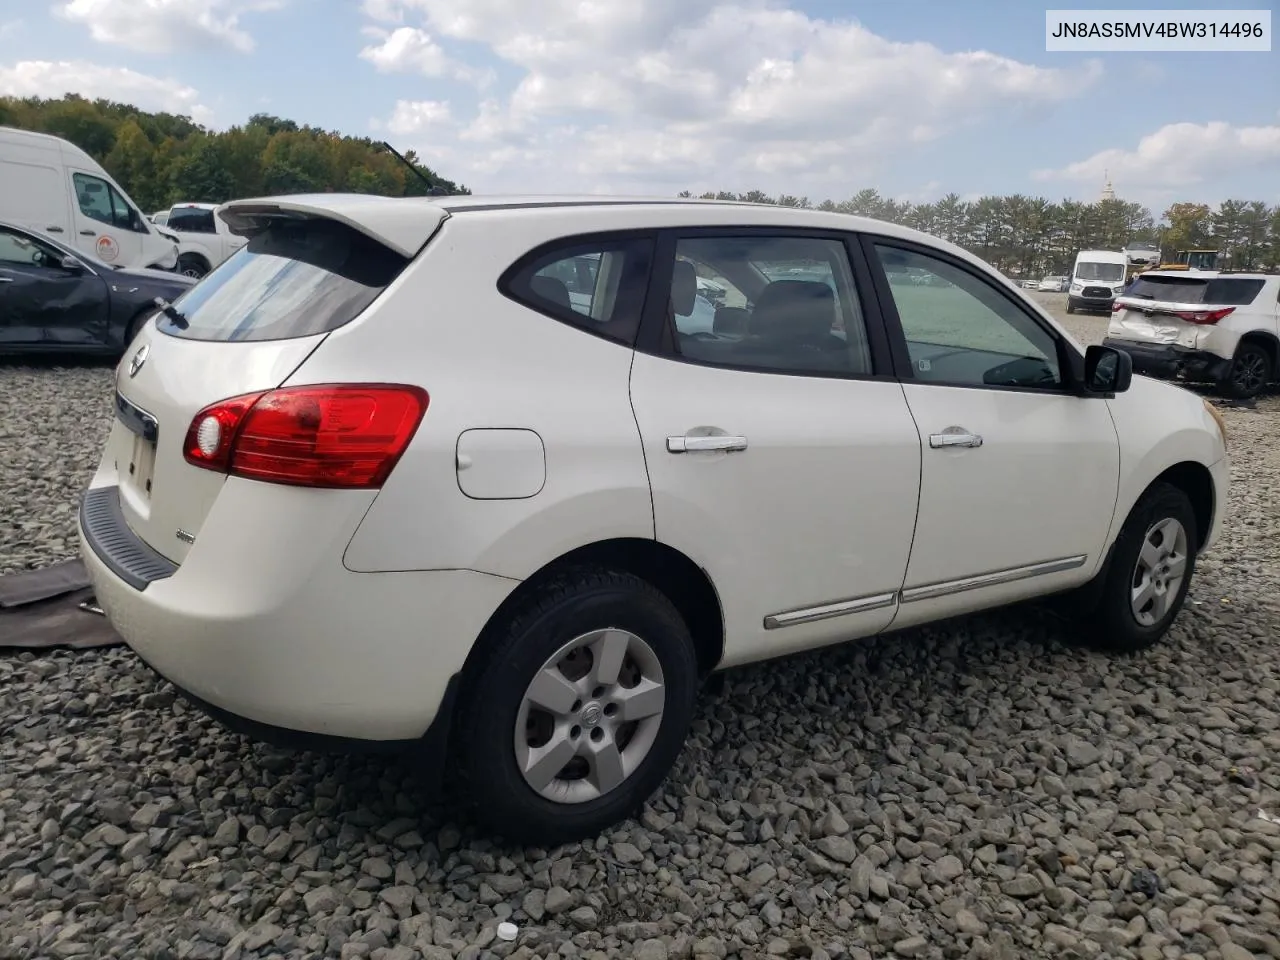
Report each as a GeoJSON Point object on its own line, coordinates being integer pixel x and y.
{"type": "Point", "coordinates": [71, 265]}
{"type": "Point", "coordinates": [1107, 370]}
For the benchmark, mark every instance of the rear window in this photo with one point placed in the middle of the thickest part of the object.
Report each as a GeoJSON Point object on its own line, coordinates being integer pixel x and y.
{"type": "Point", "coordinates": [1226, 291]}
{"type": "Point", "coordinates": [192, 220]}
{"type": "Point", "coordinates": [295, 279]}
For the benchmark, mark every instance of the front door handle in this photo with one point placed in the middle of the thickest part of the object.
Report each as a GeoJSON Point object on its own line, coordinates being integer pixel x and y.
{"type": "Point", "coordinates": [54, 229]}
{"type": "Point", "coordinates": [954, 437]}
{"type": "Point", "coordinates": [700, 444]}
{"type": "Point", "coordinates": [6, 279]}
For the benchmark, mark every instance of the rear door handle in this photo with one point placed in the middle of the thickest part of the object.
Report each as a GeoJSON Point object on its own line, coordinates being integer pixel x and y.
{"type": "Point", "coordinates": [700, 444]}
{"type": "Point", "coordinates": [954, 437]}
{"type": "Point", "coordinates": [87, 233]}
{"type": "Point", "coordinates": [54, 229]}
{"type": "Point", "coordinates": [6, 279]}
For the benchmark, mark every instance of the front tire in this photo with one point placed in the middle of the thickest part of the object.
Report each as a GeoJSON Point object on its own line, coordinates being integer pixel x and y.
{"type": "Point", "coordinates": [1071, 307]}
{"type": "Point", "coordinates": [579, 708]}
{"type": "Point", "coordinates": [1250, 372]}
{"type": "Point", "coordinates": [1151, 568]}
{"type": "Point", "coordinates": [189, 265]}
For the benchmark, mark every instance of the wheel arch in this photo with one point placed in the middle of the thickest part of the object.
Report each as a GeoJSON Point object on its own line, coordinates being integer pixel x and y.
{"type": "Point", "coordinates": [1194, 479]}
{"type": "Point", "coordinates": [677, 577]}
{"type": "Point", "coordinates": [1267, 341]}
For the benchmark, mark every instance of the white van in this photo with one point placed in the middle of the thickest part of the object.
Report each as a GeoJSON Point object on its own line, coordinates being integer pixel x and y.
{"type": "Point", "coordinates": [54, 187]}
{"type": "Point", "coordinates": [1096, 281]}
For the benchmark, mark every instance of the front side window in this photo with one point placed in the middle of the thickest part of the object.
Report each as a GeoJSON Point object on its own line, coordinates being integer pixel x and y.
{"type": "Point", "coordinates": [100, 201]}
{"type": "Point", "coordinates": [962, 330]}
{"type": "Point", "coordinates": [783, 304]}
{"type": "Point", "coordinates": [19, 250]}
{"type": "Point", "coordinates": [597, 286]}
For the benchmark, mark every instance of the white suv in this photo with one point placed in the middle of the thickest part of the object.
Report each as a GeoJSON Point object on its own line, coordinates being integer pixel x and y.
{"type": "Point", "coordinates": [378, 480]}
{"type": "Point", "coordinates": [1206, 326]}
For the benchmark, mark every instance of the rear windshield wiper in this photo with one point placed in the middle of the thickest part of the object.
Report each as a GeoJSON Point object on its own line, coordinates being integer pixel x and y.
{"type": "Point", "coordinates": [173, 313]}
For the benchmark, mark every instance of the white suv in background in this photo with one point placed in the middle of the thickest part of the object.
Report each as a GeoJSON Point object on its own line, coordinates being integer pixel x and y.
{"type": "Point", "coordinates": [382, 479]}
{"type": "Point", "coordinates": [1204, 326]}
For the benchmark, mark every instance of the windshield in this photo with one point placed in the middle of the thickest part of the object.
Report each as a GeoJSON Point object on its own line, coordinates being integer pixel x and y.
{"type": "Point", "coordinates": [295, 279]}
{"type": "Point", "coordinates": [1223, 291]}
{"type": "Point", "coordinates": [1088, 270]}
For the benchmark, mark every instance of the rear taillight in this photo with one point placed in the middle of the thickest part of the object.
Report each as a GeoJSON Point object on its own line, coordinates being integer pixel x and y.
{"type": "Point", "coordinates": [331, 435]}
{"type": "Point", "coordinates": [1204, 316]}
{"type": "Point", "coordinates": [1190, 316]}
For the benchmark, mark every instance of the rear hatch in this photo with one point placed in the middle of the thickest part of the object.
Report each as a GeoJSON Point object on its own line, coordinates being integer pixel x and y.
{"type": "Point", "coordinates": [1178, 308]}
{"type": "Point", "coordinates": [243, 329]}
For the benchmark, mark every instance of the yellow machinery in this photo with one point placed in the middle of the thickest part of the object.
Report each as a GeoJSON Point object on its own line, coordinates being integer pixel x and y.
{"type": "Point", "coordinates": [1193, 260]}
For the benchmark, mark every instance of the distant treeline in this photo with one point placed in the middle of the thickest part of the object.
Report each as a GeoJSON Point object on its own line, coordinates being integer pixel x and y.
{"type": "Point", "coordinates": [161, 159]}
{"type": "Point", "coordinates": [1033, 235]}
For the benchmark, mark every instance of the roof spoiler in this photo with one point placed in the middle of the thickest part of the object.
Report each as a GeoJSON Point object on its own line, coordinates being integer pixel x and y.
{"type": "Point", "coordinates": [404, 225]}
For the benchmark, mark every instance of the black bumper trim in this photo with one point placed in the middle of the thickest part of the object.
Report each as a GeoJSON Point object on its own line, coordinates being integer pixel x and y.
{"type": "Point", "coordinates": [430, 750]}
{"type": "Point", "coordinates": [117, 546]}
{"type": "Point", "coordinates": [1170, 360]}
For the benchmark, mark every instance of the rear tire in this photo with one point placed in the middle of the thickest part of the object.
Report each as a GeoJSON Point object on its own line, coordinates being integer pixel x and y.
{"type": "Point", "coordinates": [547, 755]}
{"type": "Point", "coordinates": [1151, 567]}
{"type": "Point", "coordinates": [1251, 372]}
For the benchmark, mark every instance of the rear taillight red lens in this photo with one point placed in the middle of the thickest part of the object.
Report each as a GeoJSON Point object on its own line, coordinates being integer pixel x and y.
{"type": "Point", "coordinates": [332, 435]}
{"type": "Point", "coordinates": [1204, 316]}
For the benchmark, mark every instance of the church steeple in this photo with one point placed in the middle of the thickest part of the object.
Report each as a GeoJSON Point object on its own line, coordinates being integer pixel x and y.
{"type": "Point", "coordinates": [1108, 193]}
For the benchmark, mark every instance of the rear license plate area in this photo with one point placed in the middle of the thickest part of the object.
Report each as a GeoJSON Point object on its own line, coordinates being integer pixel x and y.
{"type": "Point", "coordinates": [139, 472]}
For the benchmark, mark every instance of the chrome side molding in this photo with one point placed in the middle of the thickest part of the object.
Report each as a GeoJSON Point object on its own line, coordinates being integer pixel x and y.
{"type": "Point", "coordinates": [879, 601]}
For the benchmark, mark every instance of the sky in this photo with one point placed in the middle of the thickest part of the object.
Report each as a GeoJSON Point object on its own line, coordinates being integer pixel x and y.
{"type": "Point", "coordinates": [814, 98]}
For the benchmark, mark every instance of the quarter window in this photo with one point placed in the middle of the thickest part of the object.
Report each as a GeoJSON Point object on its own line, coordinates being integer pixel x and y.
{"type": "Point", "coordinates": [100, 201]}
{"type": "Point", "coordinates": [778, 304]}
{"type": "Point", "coordinates": [596, 286]}
{"type": "Point", "coordinates": [962, 330]}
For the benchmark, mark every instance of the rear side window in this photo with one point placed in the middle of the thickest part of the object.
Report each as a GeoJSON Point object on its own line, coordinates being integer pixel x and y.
{"type": "Point", "coordinates": [192, 220]}
{"type": "Point", "coordinates": [295, 279]}
{"type": "Point", "coordinates": [594, 285]}
{"type": "Point", "coordinates": [1226, 291]}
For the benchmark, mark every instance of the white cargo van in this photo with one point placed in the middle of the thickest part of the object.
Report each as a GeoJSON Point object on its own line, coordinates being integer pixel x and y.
{"type": "Point", "coordinates": [54, 187]}
{"type": "Point", "coordinates": [1096, 281]}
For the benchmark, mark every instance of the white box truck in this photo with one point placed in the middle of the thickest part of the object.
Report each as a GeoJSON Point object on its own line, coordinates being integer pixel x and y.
{"type": "Point", "coordinates": [52, 186]}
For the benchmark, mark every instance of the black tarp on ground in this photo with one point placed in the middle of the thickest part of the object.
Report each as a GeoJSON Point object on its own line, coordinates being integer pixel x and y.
{"type": "Point", "coordinates": [41, 609]}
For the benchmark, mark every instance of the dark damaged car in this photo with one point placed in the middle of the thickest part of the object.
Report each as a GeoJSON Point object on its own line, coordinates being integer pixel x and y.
{"type": "Point", "coordinates": [57, 300]}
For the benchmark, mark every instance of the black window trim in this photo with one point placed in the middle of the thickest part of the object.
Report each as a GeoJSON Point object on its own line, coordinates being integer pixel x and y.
{"type": "Point", "coordinates": [654, 319]}
{"type": "Point", "coordinates": [545, 253]}
{"type": "Point", "coordinates": [1070, 360]}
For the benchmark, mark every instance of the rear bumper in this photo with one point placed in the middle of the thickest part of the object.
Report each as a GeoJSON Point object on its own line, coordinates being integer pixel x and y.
{"type": "Point", "coordinates": [1169, 360]}
{"type": "Point", "coordinates": [262, 626]}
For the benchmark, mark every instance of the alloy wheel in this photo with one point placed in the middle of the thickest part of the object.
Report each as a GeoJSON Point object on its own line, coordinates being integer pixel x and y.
{"type": "Point", "coordinates": [590, 716]}
{"type": "Point", "coordinates": [1158, 574]}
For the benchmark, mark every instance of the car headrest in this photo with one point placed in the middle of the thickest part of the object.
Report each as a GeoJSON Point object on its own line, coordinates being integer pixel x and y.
{"type": "Point", "coordinates": [794, 310]}
{"type": "Point", "coordinates": [730, 320]}
{"type": "Point", "coordinates": [684, 287]}
{"type": "Point", "coordinates": [552, 289]}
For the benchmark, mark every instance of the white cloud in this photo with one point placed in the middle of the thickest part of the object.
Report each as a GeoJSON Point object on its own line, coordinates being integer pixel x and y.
{"type": "Point", "coordinates": [703, 93]}
{"type": "Point", "coordinates": [46, 78]}
{"type": "Point", "coordinates": [157, 25]}
{"type": "Point", "coordinates": [411, 50]}
{"type": "Point", "coordinates": [1178, 155]}
{"type": "Point", "coordinates": [10, 29]}
{"type": "Point", "coordinates": [415, 116]}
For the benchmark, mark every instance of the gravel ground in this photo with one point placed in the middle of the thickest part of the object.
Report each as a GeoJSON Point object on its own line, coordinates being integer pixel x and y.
{"type": "Point", "coordinates": [984, 789]}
